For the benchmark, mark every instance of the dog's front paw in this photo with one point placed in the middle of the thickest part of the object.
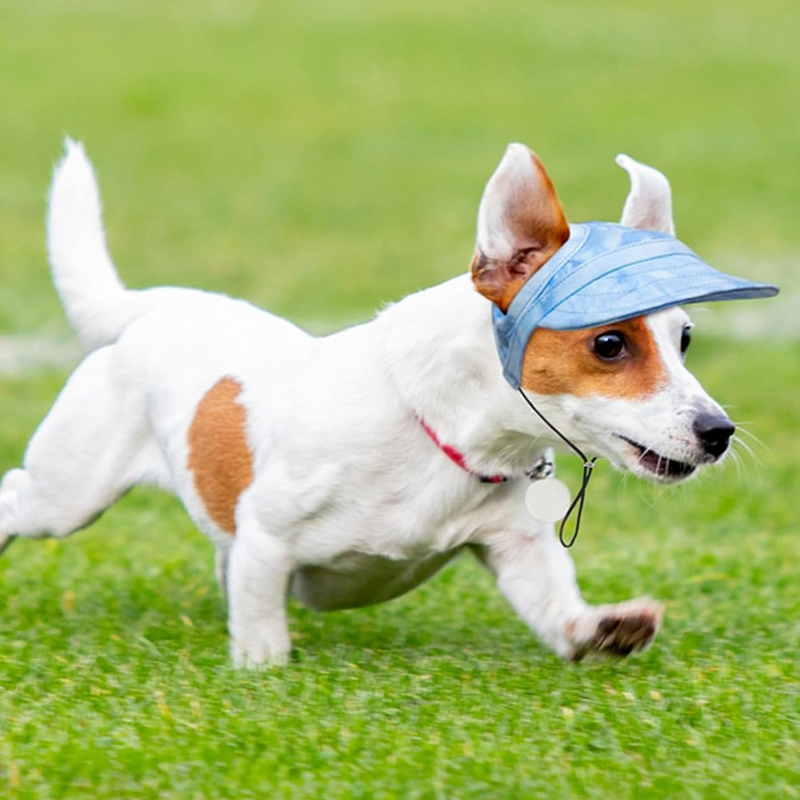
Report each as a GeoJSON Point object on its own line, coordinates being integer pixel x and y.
{"type": "Point", "coordinates": [259, 654]}
{"type": "Point", "coordinates": [9, 489]}
{"type": "Point", "coordinates": [617, 630]}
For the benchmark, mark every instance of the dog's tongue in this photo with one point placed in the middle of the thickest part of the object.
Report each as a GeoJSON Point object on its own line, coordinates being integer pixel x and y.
{"type": "Point", "coordinates": [548, 500]}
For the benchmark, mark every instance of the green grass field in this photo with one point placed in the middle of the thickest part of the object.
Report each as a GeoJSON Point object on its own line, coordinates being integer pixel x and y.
{"type": "Point", "coordinates": [322, 159]}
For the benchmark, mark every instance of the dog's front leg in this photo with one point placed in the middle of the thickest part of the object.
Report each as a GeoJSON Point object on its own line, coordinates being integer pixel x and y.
{"type": "Point", "coordinates": [258, 573]}
{"type": "Point", "coordinates": [537, 576]}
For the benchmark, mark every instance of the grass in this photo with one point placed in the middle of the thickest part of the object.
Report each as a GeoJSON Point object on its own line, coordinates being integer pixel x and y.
{"type": "Point", "coordinates": [116, 679]}
{"type": "Point", "coordinates": [322, 159]}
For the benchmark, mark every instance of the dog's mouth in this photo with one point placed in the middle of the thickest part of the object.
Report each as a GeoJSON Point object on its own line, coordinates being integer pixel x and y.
{"type": "Point", "coordinates": [661, 467]}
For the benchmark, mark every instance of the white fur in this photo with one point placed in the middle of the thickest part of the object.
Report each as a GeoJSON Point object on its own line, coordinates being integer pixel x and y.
{"type": "Point", "coordinates": [351, 502]}
{"type": "Point", "coordinates": [514, 177]}
{"type": "Point", "coordinates": [649, 204]}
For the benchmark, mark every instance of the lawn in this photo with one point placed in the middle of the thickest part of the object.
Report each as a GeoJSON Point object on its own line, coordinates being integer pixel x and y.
{"type": "Point", "coordinates": [322, 159]}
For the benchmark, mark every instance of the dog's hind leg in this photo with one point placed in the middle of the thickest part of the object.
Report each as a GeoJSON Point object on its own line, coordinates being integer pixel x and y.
{"type": "Point", "coordinates": [537, 576]}
{"type": "Point", "coordinates": [91, 448]}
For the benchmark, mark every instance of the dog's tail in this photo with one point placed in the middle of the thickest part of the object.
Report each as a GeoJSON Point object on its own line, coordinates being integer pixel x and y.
{"type": "Point", "coordinates": [95, 299]}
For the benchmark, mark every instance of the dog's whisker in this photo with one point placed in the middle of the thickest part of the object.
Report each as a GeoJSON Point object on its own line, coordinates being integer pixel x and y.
{"type": "Point", "coordinates": [644, 452]}
{"type": "Point", "coordinates": [749, 434]}
{"type": "Point", "coordinates": [737, 463]}
{"type": "Point", "coordinates": [741, 443]}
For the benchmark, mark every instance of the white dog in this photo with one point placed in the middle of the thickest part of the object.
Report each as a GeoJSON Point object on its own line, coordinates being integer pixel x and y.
{"type": "Point", "coordinates": [348, 469]}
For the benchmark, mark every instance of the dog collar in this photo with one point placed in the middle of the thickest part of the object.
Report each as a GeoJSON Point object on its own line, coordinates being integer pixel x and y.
{"type": "Point", "coordinates": [606, 273]}
{"type": "Point", "coordinates": [457, 457]}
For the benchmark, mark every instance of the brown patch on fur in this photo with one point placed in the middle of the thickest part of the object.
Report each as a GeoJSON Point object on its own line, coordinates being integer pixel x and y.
{"type": "Point", "coordinates": [622, 634]}
{"type": "Point", "coordinates": [538, 228]}
{"type": "Point", "coordinates": [219, 456]}
{"type": "Point", "coordinates": [563, 362]}
{"type": "Point", "coordinates": [499, 281]}
{"type": "Point", "coordinates": [620, 629]}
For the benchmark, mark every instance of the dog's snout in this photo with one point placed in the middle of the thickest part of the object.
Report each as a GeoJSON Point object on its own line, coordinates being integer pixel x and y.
{"type": "Point", "coordinates": [714, 431]}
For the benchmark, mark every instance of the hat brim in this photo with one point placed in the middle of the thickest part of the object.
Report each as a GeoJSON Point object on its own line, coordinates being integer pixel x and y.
{"type": "Point", "coordinates": [605, 273]}
{"type": "Point", "coordinates": [638, 289]}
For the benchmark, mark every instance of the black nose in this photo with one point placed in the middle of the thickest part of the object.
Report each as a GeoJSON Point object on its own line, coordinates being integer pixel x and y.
{"type": "Point", "coordinates": [714, 431]}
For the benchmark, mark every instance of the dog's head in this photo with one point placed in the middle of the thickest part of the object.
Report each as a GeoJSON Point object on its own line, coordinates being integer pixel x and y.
{"type": "Point", "coordinates": [622, 389]}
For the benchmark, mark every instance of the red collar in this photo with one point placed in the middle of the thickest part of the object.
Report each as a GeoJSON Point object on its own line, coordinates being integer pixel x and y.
{"type": "Point", "coordinates": [457, 457]}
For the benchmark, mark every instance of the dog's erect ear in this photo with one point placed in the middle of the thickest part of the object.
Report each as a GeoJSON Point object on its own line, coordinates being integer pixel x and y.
{"type": "Point", "coordinates": [520, 225]}
{"type": "Point", "coordinates": [649, 204]}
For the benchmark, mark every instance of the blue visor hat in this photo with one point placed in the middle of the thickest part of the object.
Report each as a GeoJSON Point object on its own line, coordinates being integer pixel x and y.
{"type": "Point", "coordinates": [606, 273]}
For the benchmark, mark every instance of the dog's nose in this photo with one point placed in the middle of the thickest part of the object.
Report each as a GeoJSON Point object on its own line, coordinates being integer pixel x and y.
{"type": "Point", "coordinates": [714, 432]}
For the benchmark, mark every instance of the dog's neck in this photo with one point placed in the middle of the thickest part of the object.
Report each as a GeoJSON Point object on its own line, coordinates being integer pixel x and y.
{"type": "Point", "coordinates": [440, 352]}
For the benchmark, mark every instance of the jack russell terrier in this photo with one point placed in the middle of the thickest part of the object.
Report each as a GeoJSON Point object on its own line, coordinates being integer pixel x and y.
{"type": "Point", "coordinates": [347, 469]}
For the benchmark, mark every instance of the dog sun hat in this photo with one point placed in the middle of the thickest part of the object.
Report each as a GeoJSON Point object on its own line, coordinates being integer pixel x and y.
{"type": "Point", "coordinates": [606, 273]}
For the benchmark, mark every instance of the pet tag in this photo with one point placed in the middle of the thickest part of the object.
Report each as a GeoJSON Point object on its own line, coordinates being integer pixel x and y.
{"type": "Point", "coordinates": [548, 500]}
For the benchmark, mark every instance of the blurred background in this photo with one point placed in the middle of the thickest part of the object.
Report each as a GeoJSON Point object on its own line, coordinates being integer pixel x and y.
{"type": "Point", "coordinates": [322, 158]}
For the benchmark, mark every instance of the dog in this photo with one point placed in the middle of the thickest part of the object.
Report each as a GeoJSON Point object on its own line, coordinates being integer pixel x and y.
{"type": "Point", "coordinates": [347, 469]}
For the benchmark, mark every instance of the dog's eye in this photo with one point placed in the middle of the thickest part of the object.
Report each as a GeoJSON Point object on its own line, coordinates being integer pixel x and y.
{"type": "Point", "coordinates": [609, 345]}
{"type": "Point", "coordinates": [686, 339]}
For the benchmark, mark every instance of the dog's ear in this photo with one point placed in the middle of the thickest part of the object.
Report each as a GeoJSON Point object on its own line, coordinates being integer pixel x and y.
{"type": "Point", "coordinates": [649, 204]}
{"type": "Point", "coordinates": [520, 225]}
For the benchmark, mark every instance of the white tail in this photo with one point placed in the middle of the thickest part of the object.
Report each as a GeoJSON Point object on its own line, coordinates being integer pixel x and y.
{"type": "Point", "coordinates": [95, 300]}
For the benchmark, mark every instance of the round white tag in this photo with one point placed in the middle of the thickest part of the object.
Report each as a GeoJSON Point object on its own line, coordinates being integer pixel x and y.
{"type": "Point", "coordinates": [548, 499]}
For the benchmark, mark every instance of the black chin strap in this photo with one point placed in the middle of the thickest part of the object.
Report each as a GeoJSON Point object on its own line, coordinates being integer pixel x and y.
{"type": "Point", "coordinates": [588, 468]}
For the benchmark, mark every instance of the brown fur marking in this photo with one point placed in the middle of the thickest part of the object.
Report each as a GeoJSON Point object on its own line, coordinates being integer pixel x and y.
{"type": "Point", "coordinates": [563, 362]}
{"type": "Point", "coordinates": [538, 227]}
{"type": "Point", "coordinates": [499, 281]}
{"type": "Point", "coordinates": [219, 455]}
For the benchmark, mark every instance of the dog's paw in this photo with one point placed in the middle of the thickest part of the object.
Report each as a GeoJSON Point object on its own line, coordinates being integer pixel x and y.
{"type": "Point", "coordinates": [10, 486]}
{"type": "Point", "coordinates": [617, 630]}
{"type": "Point", "coordinates": [258, 655]}
{"type": "Point", "coordinates": [13, 480]}
{"type": "Point", "coordinates": [8, 502]}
